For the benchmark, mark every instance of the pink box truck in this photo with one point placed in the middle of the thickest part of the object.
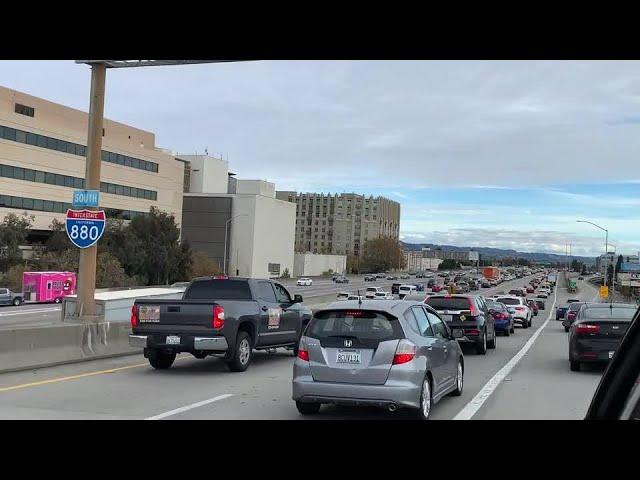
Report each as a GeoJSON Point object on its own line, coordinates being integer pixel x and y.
{"type": "Point", "coordinates": [48, 286]}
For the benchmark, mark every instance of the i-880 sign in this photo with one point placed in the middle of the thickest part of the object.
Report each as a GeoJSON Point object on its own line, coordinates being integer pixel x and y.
{"type": "Point", "coordinates": [85, 227]}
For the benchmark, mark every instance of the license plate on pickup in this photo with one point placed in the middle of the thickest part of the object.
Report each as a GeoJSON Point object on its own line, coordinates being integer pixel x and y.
{"type": "Point", "coordinates": [611, 354]}
{"type": "Point", "coordinates": [172, 340]}
{"type": "Point", "coordinates": [348, 356]}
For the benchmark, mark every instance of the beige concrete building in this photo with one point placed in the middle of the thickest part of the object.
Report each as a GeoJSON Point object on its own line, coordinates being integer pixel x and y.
{"type": "Point", "coordinates": [341, 224]}
{"type": "Point", "coordinates": [314, 265]}
{"type": "Point", "coordinates": [238, 223]}
{"type": "Point", "coordinates": [42, 160]}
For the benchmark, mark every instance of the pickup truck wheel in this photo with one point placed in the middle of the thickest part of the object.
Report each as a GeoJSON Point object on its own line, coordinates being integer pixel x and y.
{"type": "Point", "coordinates": [162, 361]}
{"type": "Point", "coordinates": [17, 301]}
{"type": "Point", "coordinates": [242, 354]}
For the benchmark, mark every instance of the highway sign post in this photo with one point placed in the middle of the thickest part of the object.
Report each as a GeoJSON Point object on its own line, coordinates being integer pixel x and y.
{"type": "Point", "coordinates": [85, 227]}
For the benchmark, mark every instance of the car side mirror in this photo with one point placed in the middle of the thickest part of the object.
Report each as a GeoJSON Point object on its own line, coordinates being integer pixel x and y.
{"type": "Point", "coordinates": [297, 298]}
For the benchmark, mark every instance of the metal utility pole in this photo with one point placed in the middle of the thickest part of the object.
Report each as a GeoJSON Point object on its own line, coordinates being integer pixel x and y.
{"type": "Point", "coordinates": [87, 265]}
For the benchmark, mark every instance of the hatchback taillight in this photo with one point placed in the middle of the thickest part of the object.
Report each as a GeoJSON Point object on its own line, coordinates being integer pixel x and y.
{"type": "Point", "coordinates": [587, 328]}
{"type": "Point", "coordinates": [303, 355]}
{"type": "Point", "coordinates": [405, 352]}
{"type": "Point", "coordinates": [134, 316]}
{"type": "Point", "coordinates": [218, 317]}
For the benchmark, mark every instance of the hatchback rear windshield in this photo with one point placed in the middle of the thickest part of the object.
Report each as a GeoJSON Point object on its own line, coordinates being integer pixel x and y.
{"type": "Point", "coordinates": [509, 301]}
{"type": "Point", "coordinates": [614, 312]}
{"type": "Point", "coordinates": [499, 307]}
{"type": "Point", "coordinates": [218, 290]}
{"type": "Point", "coordinates": [575, 306]}
{"type": "Point", "coordinates": [362, 324]}
{"type": "Point", "coordinates": [449, 303]}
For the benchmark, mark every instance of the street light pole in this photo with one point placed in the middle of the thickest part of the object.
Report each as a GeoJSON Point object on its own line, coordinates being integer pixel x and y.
{"type": "Point", "coordinates": [87, 264]}
{"type": "Point", "coordinates": [606, 247]}
{"type": "Point", "coordinates": [226, 227]}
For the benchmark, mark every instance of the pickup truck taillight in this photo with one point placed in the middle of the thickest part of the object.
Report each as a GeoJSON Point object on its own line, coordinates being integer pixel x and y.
{"type": "Point", "coordinates": [134, 316]}
{"type": "Point", "coordinates": [218, 317]}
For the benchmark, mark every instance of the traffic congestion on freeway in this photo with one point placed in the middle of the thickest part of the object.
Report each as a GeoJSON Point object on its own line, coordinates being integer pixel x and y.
{"type": "Point", "coordinates": [492, 369]}
{"type": "Point", "coordinates": [319, 240]}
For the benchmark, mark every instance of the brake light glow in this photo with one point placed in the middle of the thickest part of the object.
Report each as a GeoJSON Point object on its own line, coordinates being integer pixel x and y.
{"type": "Point", "coordinates": [587, 328]}
{"type": "Point", "coordinates": [519, 308]}
{"type": "Point", "coordinates": [472, 331]}
{"type": "Point", "coordinates": [303, 355]}
{"type": "Point", "coordinates": [218, 317]}
{"type": "Point", "coordinates": [134, 316]}
{"type": "Point", "coordinates": [220, 277]}
{"type": "Point", "coordinates": [405, 352]}
{"type": "Point", "coordinates": [354, 313]}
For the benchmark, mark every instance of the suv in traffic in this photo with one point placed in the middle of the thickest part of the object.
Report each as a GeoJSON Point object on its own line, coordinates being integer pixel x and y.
{"type": "Point", "coordinates": [469, 318]}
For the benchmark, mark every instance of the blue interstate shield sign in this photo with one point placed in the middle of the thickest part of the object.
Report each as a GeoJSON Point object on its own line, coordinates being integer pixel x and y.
{"type": "Point", "coordinates": [85, 227]}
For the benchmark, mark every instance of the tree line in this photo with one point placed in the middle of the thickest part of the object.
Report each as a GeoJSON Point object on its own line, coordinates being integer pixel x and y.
{"type": "Point", "coordinates": [145, 251]}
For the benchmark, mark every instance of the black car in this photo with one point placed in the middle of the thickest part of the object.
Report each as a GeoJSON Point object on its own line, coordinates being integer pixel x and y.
{"type": "Point", "coordinates": [370, 278]}
{"type": "Point", "coordinates": [431, 282]}
{"type": "Point", "coordinates": [395, 288]}
{"type": "Point", "coordinates": [561, 311]}
{"type": "Point", "coordinates": [597, 332]}
{"type": "Point", "coordinates": [470, 314]}
{"type": "Point", "coordinates": [570, 314]}
{"type": "Point", "coordinates": [485, 284]}
{"type": "Point", "coordinates": [618, 394]}
{"type": "Point", "coordinates": [342, 280]}
{"type": "Point", "coordinates": [517, 292]}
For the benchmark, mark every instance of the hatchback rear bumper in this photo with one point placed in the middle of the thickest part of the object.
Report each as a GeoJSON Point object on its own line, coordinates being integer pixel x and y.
{"type": "Point", "coordinates": [305, 389]}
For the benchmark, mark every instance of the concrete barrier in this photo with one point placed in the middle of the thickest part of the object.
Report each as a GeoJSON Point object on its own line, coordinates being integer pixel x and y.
{"type": "Point", "coordinates": [36, 347]}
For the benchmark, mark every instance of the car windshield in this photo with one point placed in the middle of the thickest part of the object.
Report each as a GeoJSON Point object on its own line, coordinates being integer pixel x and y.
{"type": "Point", "coordinates": [612, 312]}
{"type": "Point", "coordinates": [449, 303]}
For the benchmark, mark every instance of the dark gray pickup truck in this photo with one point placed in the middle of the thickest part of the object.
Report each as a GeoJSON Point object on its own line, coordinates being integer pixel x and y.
{"type": "Point", "coordinates": [223, 316]}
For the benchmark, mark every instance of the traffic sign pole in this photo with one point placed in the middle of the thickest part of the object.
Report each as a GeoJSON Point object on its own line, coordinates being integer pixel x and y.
{"type": "Point", "coordinates": [87, 267]}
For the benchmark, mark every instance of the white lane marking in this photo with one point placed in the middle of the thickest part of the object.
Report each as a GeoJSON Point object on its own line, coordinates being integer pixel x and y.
{"type": "Point", "coordinates": [27, 312]}
{"type": "Point", "coordinates": [471, 408]}
{"type": "Point", "coordinates": [189, 407]}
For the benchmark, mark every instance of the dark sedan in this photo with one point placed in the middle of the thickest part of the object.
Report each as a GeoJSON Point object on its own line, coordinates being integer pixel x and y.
{"type": "Point", "coordinates": [561, 311]}
{"type": "Point", "coordinates": [597, 332]}
{"type": "Point", "coordinates": [570, 316]}
{"type": "Point", "coordinates": [342, 280]}
{"type": "Point", "coordinates": [540, 304]}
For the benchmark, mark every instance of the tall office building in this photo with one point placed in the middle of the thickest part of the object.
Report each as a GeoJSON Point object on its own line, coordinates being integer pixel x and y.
{"type": "Point", "coordinates": [42, 161]}
{"type": "Point", "coordinates": [341, 223]}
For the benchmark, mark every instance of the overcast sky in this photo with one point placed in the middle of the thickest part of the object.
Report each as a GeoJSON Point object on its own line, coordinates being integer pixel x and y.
{"type": "Point", "coordinates": [479, 153]}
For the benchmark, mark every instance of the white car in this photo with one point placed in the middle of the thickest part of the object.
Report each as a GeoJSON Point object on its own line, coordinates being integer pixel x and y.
{"type": "Point", "coordinates": [355, 297]}
{"type": "Point", "coordinates": [518, 309]}
{"type": "Point", "coordinates": [404, 290]}
{"type": "Point", "coordinates": [343, 296]}
{"type": "Point", "coordinates": [383, 296]}
{"type": "Point", "coordinates": [304, 282]}
{"type": "Point", "coordinates": [371, 292]}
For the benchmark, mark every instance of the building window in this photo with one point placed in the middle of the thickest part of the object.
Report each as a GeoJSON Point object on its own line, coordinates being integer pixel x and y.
{"type": "Point", "coordinates": [24, 110]}
{"type": "Point", "coordinates": [38, 176]}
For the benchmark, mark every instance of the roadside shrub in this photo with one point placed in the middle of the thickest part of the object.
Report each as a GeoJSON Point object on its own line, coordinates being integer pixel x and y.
{"type": "Point", "coordinates": [285, 274]}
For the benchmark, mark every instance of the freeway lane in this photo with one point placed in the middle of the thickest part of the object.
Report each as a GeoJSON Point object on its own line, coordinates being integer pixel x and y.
{"type": "Point", "coordinates": [127, 387]}
{"type": "Point", "coordinates": [31, 315]}
{"type": "Point", "coordinates": [541, 386]}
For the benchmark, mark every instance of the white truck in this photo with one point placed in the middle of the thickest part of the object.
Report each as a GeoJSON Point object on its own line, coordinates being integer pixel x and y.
{"type": "Point", "coordinates": [551, 278]}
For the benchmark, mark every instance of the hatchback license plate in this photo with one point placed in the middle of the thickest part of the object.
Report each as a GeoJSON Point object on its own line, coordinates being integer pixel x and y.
{"type": "Point", "coordinates": [611, 354]}
{"type": "Point", "coordinates": [348, 356]}
{"type": "Point", "coordinates": [173, 340]}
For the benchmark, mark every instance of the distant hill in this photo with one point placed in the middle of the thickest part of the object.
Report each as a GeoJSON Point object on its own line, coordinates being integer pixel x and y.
{"type": "Point", "coordinates": [497, 253]}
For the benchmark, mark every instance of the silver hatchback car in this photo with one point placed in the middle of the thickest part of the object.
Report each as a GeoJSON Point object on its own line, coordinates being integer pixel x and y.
{"type": "Point", "coordinates": [387, 353]}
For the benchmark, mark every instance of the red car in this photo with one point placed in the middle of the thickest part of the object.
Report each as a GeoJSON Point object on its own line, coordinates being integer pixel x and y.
{"type": "Point", "coordinates": [437, 288]}
{"type": "Point", "coordinates": [530, 289]}
{"type": "Point", "coordinates": [533, 306]}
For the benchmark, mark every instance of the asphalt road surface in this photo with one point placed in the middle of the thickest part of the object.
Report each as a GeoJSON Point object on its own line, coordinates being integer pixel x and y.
{"type": "Point", "coordinates": [537, 385]}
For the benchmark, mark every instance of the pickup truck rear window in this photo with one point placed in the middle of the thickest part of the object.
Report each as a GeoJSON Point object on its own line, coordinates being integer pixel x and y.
{"type": "Point", "coordinates": [218, 289]}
